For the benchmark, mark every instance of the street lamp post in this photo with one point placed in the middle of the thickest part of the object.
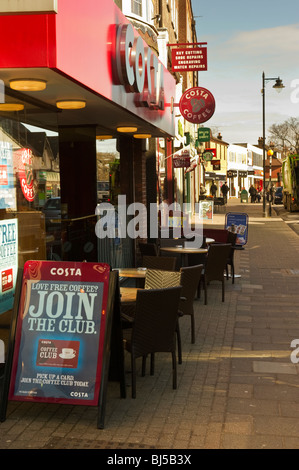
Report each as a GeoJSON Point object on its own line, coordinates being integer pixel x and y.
{"type": "Point", "coordinates": [278, 86]}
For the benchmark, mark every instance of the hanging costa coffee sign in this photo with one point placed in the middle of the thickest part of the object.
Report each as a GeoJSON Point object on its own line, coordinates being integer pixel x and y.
{"type": "Point", "coordinates": [138, 69]}
{"type": "Point", "coordinates": [23, 159]}
{"type": "Point", "coordinates": [197, 105]}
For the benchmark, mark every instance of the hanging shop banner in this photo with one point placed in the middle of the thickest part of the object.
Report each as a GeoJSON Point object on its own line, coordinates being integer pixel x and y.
{"type": "Point", "coordinates": [8, 262]}
{"type": "Point", "coordinates": [208, 154]}
{"type": "Point", "coordinates": [60, 333]}
{"type": "Point", "coordinates": [216, 164]}
{"type": "Point", "coordinates": [197, 105]}
{"type": "Point", "coordinates": [237, 223]}
{"type": "Point", "coordinates": [181, 160]}
{"type": "Point", "coordinates": [7, 191]}
{"type": "Point", "coordinates": [204, 134]}
{"type": "Point", "coordinates": [189, 59]}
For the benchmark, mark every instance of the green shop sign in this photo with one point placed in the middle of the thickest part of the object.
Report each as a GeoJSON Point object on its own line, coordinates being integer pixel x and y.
{"type": "Point", "coordinates": [203, 134]}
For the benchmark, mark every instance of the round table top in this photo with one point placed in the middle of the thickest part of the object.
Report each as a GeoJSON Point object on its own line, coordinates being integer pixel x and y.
{"type": "Point", "coordinates": [128, 294]}
{"type": "Point", "coordinates": [132, 272]}
{"type": "Point", "coordinates": [181, 249]}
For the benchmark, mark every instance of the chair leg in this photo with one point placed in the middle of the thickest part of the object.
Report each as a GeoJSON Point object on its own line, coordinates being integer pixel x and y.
{"type": "Point", "coordinates": [133, 366]}
{"type": "Point", "coordinates": [223, 289]}
{"type": "Point", "coordinates": [206, 292]}
{"type": "Point", "coordinates": [143, 366]}
{"type": "Point", "coordinates": [178, 334]}
{"type": "Point", "coordinates": [192, 328]}
{"type": "Point", "coordinates": [174, 371]}
{"type": "Point", "coordinates": [152, 369]}
{"type": "Point", "coordinates": [233, 273]}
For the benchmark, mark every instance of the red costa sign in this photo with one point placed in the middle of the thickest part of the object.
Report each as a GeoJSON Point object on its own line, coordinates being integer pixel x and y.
{"type": "Point", "coordinates": [197, 105]}
{"type": "Point", "coordinates": [24, 168]}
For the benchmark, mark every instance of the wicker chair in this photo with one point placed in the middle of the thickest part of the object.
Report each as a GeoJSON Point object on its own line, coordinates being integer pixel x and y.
{"type": "Point", "coordinates": [166, 263]}
{"type": "Point", "coordinates": [154, 328]}
{"type": "Point", "coordinates": [190, 279]}
{"type": "Point", "coordinates": [215, 266]}
{"type": "Point", "coordinates": [159, 279]}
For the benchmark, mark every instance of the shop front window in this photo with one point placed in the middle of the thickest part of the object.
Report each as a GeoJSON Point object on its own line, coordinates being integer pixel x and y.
{"type": "Point", "coordinates": [116, 251]}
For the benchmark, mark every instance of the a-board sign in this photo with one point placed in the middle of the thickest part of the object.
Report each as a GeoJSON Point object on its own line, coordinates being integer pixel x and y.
{"type": "Point", "coordinates": [60, 330]}
{"type": "Point", "coordinates": [237, 222]}
{"type": "Point", "coordinates": [206, 209]}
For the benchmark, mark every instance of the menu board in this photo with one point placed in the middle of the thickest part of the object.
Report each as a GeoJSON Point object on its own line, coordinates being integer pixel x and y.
{"type": "Point", "coordinates": [60, 332]}
{"type": "Point", "coordinates": [237, 223]}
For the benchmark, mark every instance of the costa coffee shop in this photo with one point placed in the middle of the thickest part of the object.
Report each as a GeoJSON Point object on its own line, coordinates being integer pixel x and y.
{"type": "Point", "coordinates": [77, 69]}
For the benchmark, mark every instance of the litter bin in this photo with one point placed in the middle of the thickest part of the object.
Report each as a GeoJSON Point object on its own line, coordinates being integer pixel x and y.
{"type": "Point", "coordinates": [244, 196]}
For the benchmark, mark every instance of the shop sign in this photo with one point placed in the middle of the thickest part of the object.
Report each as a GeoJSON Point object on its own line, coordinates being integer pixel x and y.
{"type": "Point", "coordinates": [197, 105]}
{"type": "Point", "coordinates": [189, 59]}
{"type": "Point", "coordinates": [60, 334]}
{"type": "Point", "coordinates": [242, 174]}
{"type": "Point", "coordinates": [25, 171]}
{"type": "Point", "coordinates": [231, 173]}
{"type": "Point", "coordinates": [181, 160]}
{"type": "Point", "coordinates": [216, 164]}
{"type": "Point", "coordinates": [138, 69]}
{"type": "Point", "coordinates": [8, 262]}
{"type": "Point", "coordinates": [204, 134]}
{"type": "Point", "coordinates": [206, 210]}
{"type": "Point", "coordinates": [208, 154]}
{"type": "Point", "coordinates": [237, 222]}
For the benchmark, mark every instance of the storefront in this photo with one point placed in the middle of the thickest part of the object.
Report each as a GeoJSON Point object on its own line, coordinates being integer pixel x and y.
{"type": "Point", "coordinates": [99, 82]}
{"type": "Point", "coordinates": [80, 95]}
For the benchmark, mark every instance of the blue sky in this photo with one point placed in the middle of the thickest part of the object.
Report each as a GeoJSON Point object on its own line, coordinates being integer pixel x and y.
{"type": "Point", "coordinates": [244, 39]}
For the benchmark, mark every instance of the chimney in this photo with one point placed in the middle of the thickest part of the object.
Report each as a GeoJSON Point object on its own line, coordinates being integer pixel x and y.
{"type": "Point", "coordinates": [219, 136]}
{"type": "Point", "coordinates": [260, 142]}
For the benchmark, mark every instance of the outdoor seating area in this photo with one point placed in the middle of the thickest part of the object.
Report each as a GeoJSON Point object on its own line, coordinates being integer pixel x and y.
{"type": "Point", "coordinates": [167, 268]}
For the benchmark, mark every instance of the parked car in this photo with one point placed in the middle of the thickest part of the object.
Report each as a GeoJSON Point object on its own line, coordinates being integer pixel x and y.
{"type": "Point", "coordinates": [278, 195]}
{"type": "Point", "coordinates": [52, 209]}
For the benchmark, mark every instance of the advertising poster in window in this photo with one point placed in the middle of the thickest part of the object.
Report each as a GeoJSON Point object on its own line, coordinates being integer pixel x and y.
{"type": "Point", "coordinates": [8, 262]}
{"type": "Point", "coordinates": [60, 332]}
{"type": "Point", "coordinates": [7, 190]}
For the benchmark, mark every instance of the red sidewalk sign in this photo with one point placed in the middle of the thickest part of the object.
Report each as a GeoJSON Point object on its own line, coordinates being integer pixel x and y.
{"type": "Point", "coordinates": [61, 340]}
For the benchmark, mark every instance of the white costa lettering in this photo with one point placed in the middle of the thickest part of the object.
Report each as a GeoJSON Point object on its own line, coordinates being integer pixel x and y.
{"type": "Point", "coordinates": [138, 69]}
{"type": "Point", "coordinates": [65, 272]}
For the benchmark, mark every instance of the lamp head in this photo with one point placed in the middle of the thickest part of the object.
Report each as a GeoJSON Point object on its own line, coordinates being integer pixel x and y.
{"type": "Point", "coordinates": [278, 85]}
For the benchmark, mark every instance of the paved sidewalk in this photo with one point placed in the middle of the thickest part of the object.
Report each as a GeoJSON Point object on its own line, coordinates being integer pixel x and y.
{"type": "Point", "coordinates": [237, 386]}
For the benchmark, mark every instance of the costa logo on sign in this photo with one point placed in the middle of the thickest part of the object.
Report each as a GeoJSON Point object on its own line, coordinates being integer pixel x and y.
{"type": "Point", "coordinates": [197, 105]}
{"type": "Point", "coordinates": [24, 166]}
{"type": "Point", "coordinates": [138, 69]}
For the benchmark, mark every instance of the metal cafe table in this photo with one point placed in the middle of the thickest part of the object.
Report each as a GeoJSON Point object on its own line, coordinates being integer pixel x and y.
{"type": "Point", "coordinates": [184, 252]}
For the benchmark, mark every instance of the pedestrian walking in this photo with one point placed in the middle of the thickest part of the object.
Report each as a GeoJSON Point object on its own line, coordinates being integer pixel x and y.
{"type": "Point", "coordinates": [213, 189]}
{"type": "Point", "coordinates": [252, 192]}
{"type": "Point", "coordinates": [224, 191]}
